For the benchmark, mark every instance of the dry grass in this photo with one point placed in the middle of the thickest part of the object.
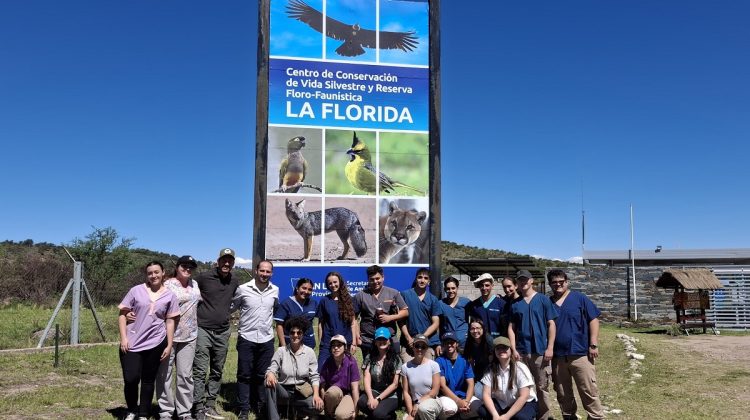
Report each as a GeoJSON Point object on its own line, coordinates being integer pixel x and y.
{"type": "Point", "coordinates": [683, 378]}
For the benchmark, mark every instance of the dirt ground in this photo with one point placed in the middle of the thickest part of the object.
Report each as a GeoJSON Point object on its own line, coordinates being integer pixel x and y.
{"type": "Point", "coordinates": [726, 348]}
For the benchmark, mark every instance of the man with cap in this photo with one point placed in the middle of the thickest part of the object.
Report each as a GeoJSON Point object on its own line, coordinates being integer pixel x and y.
{"type": "Point", "coordinates": [456, 381]}
{"type": "Point", "coordinates": [532, 335]}
{"type": "Point", "coordinates": [488, 307]}
{"type": "Point", "coordinates": [256, 300]}
{"type": "Point", "coordinates": [217, 288]}
{"type": "Point", "coordinates": [576, 348]}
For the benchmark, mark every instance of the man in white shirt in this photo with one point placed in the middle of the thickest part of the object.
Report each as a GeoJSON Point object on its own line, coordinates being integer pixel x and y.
{"type": "Point", "coordinates": [256, 301]}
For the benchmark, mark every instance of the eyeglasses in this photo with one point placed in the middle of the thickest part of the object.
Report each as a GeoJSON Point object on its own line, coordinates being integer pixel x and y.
{"type": "Point", "coordinates": [557, 282]}
{"type": "Point", "coordinates": [420, 347]}
{"type": "Point", "coordinates": [295, 332]}
{"type": "Point", "coordinates": [186, 267]}
{"type": "Point", "coordinates": [337, 344]}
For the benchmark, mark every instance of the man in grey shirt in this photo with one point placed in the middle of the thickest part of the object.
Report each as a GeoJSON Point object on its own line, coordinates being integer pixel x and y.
{"type": "Point", "coordinates": [378, 306]}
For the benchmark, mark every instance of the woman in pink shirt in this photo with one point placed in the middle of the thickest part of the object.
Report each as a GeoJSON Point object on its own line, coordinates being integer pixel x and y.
{"type": "Point", "coordinates": [148, 340]}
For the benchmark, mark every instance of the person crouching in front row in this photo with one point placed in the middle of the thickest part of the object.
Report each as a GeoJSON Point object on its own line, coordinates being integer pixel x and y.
{"type": "Point", "coordinates": [339, 380]}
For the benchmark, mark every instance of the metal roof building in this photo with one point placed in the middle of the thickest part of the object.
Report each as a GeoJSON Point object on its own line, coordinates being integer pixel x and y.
{"type": "Point", "coordinates": [730, 305]}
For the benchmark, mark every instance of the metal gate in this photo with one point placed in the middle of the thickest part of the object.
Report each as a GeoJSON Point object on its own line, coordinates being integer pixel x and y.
{"type": "Point", "coordinates": [730, 306]}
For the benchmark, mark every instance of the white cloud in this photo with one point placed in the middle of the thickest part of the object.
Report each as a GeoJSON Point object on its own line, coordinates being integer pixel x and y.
{"type": "Point", "coordinates": [243, 262]}
{"type": "Point", "coordinates": [577, 260]}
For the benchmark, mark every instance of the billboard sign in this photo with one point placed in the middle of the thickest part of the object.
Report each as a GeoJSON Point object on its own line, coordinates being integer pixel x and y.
{"type": "Point", "coordinates": [346, 148]}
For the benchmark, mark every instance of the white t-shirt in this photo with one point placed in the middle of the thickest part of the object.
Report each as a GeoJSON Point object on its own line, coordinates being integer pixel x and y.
{"type": "Point", "coordinates": [420, 377]}
{"type": "Point", "coordinates": [506, 397]}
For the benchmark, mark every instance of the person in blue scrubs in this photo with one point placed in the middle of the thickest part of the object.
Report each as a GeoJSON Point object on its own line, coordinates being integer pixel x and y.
{"type": "Point", "coordinates": [532, 336]}
{"type": "Point", "coordinates": [298, 305]}
{"type": "Point", "coordinates": [456, 381]}
{"type": "Point", "coordinates": [424, 316]}
{"type": "Point", "coordinates": [488, 307]}
{"type": "Point", "coordinates": [576, 348]}
{"type": "Point", "coordinates": [335, 316]}
{"type": "Point", "coordinates": [453, 308]}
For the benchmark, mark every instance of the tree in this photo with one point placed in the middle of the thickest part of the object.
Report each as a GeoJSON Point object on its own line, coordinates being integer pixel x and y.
{"type": "Point", "coordinates": [107, 262]}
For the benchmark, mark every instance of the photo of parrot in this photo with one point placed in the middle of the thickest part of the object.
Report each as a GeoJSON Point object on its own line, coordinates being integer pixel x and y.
{"type": "Point", "coordinates": [293, 166]}
{"type": "Point", "coordinates": [361, 173]}
{"type": "Point", "coordinates": [353, 36]}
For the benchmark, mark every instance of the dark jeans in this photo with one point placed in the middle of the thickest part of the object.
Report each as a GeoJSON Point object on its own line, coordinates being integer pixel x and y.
{"type": "Point", "coordinates": [140, 367]}
{"type": "Point", "coordinates": [252, 361]}
{"type": "Point", "coordinates": [285, 396]}
{"type": "Point", "coordinates": [386, 409]}
{"type": "Point", "coordinates": [210, 352]}
{"type": "Point", "coordinates": [528, 411]}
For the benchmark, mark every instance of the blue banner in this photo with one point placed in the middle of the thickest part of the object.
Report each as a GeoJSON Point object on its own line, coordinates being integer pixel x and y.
{"type": "Point", "coordinates": [348, 95]}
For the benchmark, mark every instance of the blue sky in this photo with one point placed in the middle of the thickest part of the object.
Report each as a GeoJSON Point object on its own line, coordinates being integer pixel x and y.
{"type": "Point", "coordinates": [140, 115]}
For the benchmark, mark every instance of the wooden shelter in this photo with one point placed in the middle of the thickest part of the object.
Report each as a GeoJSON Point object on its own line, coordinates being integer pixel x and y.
{"type": "Point", "coordinates": [691, 297]}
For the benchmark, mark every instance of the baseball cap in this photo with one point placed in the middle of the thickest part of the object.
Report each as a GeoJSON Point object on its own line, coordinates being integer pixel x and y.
{"type": "Point", "coordinates": [482, 278]}
{"type": "Point", "coordinates": [338, 337]}
{"type": "Point", "coordinates": [225, 252]}
{"type": "Point", "coordinates": [383, 332]}
{"type": "Point", "coordinates": [524, 274]}
{"type": "Point", "coordinates": [501, 341]}
{"type": "Point", "coordinates": [450, 335]}
{"type": "Point", "coordinates": [420, 337]}
{"type": "Point", "coordinates": [188, 261]}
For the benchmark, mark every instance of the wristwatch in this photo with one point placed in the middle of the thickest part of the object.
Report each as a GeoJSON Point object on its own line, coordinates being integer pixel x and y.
{"type": "Point", "coordinates": [378, 398]}
{"type": "Point", "coordinates": [593, 346]}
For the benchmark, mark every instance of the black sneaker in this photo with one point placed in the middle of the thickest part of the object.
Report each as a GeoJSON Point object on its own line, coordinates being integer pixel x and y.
{"type": "Point", "coordinates": [244, 415]}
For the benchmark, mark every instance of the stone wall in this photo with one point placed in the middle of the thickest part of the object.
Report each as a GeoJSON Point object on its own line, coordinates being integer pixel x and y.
{"type": "Point", "coordinates": [609, 288]}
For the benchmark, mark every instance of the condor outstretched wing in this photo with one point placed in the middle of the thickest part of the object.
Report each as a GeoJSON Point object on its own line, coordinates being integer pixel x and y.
{"type": "Point", "coordinates": [404, 41]}
{"type": "Point", "coordinates": [298, 9]}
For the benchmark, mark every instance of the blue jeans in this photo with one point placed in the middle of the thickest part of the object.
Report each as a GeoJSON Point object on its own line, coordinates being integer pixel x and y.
{"type": "Point", "coordinates": [527, 412]}
{"type": "Point", "coordinates": [252, 361]}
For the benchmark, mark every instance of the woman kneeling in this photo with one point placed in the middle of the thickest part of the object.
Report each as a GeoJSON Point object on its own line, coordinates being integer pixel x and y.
{"type": "Point", "coordinates": [339, 377]}
{"type": "Point", "coordinates": [508, 391]}
{"type": "Point", "coordinates": [292, 378]}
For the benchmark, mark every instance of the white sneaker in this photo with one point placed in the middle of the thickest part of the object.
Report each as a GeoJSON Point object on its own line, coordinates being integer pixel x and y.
{"type": "Point", "coordinates": [130, 416]}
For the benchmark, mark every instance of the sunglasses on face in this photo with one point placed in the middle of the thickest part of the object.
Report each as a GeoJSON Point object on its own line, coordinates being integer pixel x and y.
{"type": "Point", "coordinates": [337, 344]}
{"type": "Point", "coordinates": [556, 283]}
{"type": "Point", "coordinates": [186, 267]}
{"type": "Point", "coordinates": [420, 347]}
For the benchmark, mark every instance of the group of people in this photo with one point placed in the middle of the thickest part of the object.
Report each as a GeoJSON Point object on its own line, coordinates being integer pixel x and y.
{"type": "Point", "coordinates": [432, 358]}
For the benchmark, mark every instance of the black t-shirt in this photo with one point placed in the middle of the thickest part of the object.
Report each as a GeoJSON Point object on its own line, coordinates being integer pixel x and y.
{"type": "Point", "coordinates": [216, 295]}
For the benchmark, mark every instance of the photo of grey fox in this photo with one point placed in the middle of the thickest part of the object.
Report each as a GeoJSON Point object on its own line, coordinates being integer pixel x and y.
{"type": "Point", "coordinates": [342, 220]}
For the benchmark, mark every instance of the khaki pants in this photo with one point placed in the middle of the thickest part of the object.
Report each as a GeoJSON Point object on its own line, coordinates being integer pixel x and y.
{"type": "Point", "coordinates": [567, 369]}
{"type": "Point", "coordinates": [427, 410]}
{"type": "Point", "coordinates": [541, 371]}
{"type": "Point", "coordinates": [450, 408]}
{"type": "Point", "coordinates": [338, 405]}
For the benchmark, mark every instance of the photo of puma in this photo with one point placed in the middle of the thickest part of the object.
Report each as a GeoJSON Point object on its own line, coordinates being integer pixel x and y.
{"type": "Point", "coordinates": [402, 232]}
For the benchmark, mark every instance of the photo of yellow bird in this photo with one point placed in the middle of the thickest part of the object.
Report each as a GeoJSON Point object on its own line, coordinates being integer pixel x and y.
{"type": "Point", "coordinates": [293, 166]}
{"type": "Point", "coordinates": [361, 173]}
